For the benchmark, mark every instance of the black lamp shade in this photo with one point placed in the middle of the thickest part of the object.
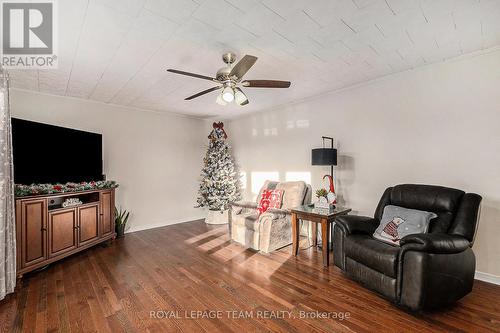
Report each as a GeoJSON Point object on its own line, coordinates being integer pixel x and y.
{"type": "Point", "coordinates": [324, 156]}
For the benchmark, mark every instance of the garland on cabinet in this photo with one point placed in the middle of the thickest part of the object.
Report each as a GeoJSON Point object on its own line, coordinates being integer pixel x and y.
{"type": "Point", "coordinates": [37, 189]}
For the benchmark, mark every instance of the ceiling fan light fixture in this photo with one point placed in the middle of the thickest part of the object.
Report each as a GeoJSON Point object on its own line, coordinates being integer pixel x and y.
{"type": "Point", "coordinates": [229, 79]}
{"type": "Point", "coordinates": [228, 94]}
{"type": "Point", "coordinates": [240, 97]}
{"type": "Point", "coordinates": [220, 100]}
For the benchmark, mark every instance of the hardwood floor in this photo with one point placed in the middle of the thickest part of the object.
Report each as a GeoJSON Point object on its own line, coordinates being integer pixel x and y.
{"type": "Point", "coordinates": [194, 267]}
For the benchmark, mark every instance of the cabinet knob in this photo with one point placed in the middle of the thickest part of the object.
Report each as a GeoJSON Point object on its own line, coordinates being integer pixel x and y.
{"type": "Point", "coordinates": [44, 229]}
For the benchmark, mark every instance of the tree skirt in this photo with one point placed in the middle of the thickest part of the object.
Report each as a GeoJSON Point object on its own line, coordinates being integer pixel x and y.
{"type": "Point", "coordinates": [217, 217]}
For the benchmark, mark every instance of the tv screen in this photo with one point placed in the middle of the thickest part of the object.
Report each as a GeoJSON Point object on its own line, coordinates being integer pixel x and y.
{"type": "Point", "coordinates": [52, 154]}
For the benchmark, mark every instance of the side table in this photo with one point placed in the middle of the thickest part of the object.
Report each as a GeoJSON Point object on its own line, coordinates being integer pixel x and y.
{"type": "Point", "coordinates": [325, 217]}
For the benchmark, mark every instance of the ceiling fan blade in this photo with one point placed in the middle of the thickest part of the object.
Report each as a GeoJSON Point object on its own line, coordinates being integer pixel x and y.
{"type": "Point", "coordinates": [202, 93]}
{"type": "Point", "coordinates": [266, 84]}
{"type": "Point", "coordinates": [240, 97]}
{"type": "Point", "coordinates": [192, 75]}
{"type": "Point", "coordinates": [242, 66]}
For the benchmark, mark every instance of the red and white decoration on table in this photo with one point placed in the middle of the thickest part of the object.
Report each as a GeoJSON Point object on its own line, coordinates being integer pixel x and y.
{"type": "Point", "coordinates": [331, 196]}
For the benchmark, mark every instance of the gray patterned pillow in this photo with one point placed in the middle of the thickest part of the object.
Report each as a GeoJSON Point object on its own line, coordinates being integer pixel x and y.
{"type": "Point", "coordinates": [398, 222]}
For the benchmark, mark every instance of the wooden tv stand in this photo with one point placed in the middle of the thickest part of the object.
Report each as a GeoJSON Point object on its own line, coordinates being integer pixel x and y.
{"type": "Point", "coordinates": [47, 232]}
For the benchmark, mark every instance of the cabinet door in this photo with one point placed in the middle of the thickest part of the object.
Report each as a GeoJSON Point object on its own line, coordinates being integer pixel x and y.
{"type": "Point", "coordinates": [33, 232]}
{"type": "Point", "coordinates": [62, 231]}
{"type": "Point", "coordinates": [107, 213]}
{"type": "Point", "coordinates": [88, 224]}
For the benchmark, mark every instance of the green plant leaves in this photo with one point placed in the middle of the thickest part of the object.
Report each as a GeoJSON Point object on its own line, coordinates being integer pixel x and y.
{"type": "Point", "coordinates": [121, 216]}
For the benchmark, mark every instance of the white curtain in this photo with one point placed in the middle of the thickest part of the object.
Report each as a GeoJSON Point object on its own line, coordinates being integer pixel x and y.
{"type": "Point", "coordinates": [7, 221]}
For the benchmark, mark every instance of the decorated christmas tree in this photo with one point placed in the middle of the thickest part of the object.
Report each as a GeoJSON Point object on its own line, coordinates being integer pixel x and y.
{"type": "Point", "coordinates": [220, 184]}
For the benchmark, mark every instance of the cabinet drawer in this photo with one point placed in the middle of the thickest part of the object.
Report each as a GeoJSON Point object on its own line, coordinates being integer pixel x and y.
{"type": "Point", "coordinates": [33, 226]}
{"type": "Point", "coordinates": [62, 231]}
{"type": "Point", "coordinates": [88, 224]}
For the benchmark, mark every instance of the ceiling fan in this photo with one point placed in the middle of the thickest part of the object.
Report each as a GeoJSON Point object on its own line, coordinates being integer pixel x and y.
{"type": "Point", "coordinates": [229, 79]}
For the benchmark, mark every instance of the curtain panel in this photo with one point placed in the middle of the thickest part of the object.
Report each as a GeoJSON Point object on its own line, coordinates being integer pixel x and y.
{"type": "Point", "coordinates": [7, 220]}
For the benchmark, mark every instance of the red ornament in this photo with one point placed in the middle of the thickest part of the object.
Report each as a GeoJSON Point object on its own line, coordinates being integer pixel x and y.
{"type": "Point", "coordinates": [57, 187]}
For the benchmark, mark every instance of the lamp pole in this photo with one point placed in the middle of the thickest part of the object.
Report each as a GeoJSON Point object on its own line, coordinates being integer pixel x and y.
{"type": "Point", "coordinates": [331, 140]}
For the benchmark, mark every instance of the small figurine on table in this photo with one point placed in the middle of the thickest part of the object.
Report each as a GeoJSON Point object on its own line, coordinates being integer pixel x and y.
{"type": "Point", "coordinates": [331, 197]}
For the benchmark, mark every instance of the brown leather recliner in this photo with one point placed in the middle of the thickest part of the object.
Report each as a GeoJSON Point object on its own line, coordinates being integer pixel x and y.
{"type": "Point", "coordinates": [427, 270]}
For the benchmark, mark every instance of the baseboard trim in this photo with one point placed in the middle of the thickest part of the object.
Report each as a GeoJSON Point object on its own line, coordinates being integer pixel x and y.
{"type": "Point", "coordinates": [163, 224]}
{"type": "Point", "coordinates": [487, 277]}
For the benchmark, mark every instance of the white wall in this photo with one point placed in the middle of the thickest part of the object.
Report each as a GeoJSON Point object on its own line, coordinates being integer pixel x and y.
{"type": "Point", "coordinates": [439, 124]}
{"type": "Point", "coordinates": [156, 158]}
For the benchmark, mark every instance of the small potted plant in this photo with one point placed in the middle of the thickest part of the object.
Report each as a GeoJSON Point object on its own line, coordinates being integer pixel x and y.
{"type": "Point", "coordinates": [121, 218]}
{"type": "Point", "coordinates": [322, 195]}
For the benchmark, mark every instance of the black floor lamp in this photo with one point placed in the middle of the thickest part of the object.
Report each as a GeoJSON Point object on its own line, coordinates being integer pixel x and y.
{"type": "Point", "coordinates": [325, 156]}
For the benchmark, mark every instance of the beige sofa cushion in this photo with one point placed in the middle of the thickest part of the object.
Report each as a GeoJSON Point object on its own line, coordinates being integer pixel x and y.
{"type": "Point", "coordinates": [294, 193]}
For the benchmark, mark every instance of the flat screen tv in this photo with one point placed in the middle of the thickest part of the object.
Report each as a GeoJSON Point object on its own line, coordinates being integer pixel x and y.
{"type": "Point", "coordinates": [52, 154]}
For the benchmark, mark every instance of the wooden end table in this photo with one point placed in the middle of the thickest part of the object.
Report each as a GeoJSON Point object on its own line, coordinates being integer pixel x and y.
{"type": "Point", "coordinates": [317, 216]}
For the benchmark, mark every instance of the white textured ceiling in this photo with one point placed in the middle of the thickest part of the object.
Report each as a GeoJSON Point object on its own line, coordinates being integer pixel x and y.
{"type": "Point", "coordinates": [116, 51]}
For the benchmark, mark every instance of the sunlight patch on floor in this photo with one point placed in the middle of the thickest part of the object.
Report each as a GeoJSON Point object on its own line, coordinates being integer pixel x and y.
{"type": "Point", "coordinates": [204, 235]}
{"type": "Point", "coordinates": [230, 253]}
{"type": "Point", "coordinates": [213, 243]}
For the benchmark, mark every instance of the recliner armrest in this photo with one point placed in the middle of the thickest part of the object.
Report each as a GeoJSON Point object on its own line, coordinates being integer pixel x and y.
{"type": "Point", "coordinates": [353, 224]}
{"type": "Point", "coordinates": [434, 243]}
{"type": "Point", "coordinates": [244, 204]}
{"type": "Point", "coordinates": [239, 207]}
{"type": "Point", "coordinates": [279, 212]}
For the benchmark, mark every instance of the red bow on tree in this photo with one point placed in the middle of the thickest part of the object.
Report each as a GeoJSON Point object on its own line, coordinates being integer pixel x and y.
{"type": "Point", "coordinates": [220, 126]}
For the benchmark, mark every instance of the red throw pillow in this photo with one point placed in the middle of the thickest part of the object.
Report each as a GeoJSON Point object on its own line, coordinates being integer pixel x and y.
{"type": "Point", "coordinates": [270, 199]}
